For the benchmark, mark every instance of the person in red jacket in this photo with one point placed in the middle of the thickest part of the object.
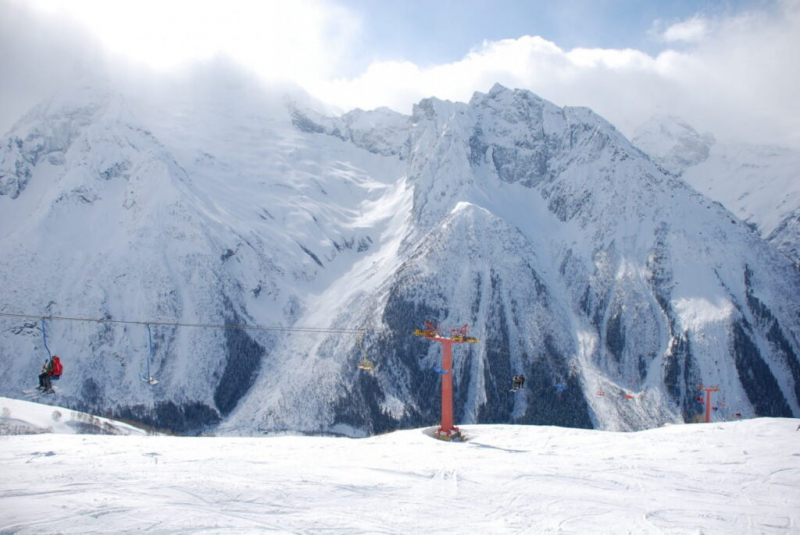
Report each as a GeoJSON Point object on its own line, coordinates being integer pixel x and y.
{"type": "Point", "coordinates": [51, 370]}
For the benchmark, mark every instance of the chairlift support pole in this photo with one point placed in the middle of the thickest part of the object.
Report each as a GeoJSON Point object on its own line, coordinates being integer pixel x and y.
{"type": "Point", "coordinates": [708, 390]}
{"type": "Point", "coordinates": [44, 339]}
{"type": "Point", "coordinates": [447, 430]}
{"type": "Point", "coordinates": [149, 379]}
{"type": "Point", "coordinates": [149, 352]}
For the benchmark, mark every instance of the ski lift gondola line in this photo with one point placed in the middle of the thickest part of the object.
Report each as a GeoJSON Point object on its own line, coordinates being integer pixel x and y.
{"type": "Point", "coordinates": [312, 330]}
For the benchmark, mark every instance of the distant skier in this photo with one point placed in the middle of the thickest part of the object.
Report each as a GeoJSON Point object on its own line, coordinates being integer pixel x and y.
{"type": "Point", "coordinates": [521, 381]}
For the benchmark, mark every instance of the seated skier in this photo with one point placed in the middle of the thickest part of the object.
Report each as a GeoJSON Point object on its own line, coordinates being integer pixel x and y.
{"type": "Point", "coordinates": [50, 371]}
{"type": "Point", "coordinates": [44, 377]}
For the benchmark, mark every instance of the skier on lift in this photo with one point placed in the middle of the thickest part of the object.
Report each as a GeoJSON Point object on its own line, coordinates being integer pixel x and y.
{"type": "Point", "coordinates": [517, 382]}
{"type": "Point", "coordinates": [44, 377]}
{"type": "Point", "coordinates": [51, 370]}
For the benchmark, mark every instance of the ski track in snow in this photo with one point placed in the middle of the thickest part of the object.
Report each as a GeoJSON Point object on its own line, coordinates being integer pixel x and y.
{"type": "Point", "coordinates": [738, 477]}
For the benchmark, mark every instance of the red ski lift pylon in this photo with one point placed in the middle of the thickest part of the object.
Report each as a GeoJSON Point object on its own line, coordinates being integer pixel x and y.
{"type": "Point", "coordinates": [708, 390]}
{"type": "Point", "coordinates": [447, 430]}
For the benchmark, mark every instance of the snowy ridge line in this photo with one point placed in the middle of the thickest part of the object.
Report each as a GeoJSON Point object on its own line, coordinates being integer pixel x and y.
{"type": "Point", "coordinates": [321, 330]}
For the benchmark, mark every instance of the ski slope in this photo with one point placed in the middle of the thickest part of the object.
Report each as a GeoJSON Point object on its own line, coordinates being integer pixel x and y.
{"type": "Point", "coordinates": [732, 477]}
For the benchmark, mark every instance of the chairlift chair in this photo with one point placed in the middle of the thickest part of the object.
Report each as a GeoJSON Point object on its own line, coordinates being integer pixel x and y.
{"type": "Point", "coordinates": [365, 364]}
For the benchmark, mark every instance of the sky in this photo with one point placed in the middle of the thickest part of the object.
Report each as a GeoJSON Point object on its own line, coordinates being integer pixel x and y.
{"type": "Point", "coordinates": [729, 67]}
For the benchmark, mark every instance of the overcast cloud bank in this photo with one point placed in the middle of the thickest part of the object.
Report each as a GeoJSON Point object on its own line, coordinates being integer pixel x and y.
{"type": "Point", "coordinates": [733, 74]}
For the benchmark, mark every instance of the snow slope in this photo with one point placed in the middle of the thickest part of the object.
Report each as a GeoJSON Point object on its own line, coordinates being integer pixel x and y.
{"type": "Point", "coordinates": [673, 143]}
{"type": "Point", "coordinates": [734, 477]}
{"type": "Point", "coordinates": [760, 184]}
{"type": "Point", "coordinates": [18, 417]}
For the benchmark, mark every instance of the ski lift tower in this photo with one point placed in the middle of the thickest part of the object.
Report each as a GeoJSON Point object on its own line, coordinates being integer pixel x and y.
{"type": "Point", "coordinates": [447, 431]}
{"type": "Point", "coordinates": [708, 390]}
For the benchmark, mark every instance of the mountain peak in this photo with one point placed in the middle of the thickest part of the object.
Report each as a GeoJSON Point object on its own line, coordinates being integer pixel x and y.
{"type": "Point", "coordinates": [499, 88]}
{"type": "Point", "coordinates": [501, 93]}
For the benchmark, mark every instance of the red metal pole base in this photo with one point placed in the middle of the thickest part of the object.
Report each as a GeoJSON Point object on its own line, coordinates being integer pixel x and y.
{"type": "Point", "coordinates": [452, 433]}
{"type": "Point", "coordinates": [447, 426]}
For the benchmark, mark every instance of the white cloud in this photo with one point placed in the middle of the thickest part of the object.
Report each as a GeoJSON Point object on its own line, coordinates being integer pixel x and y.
{"type": "Point", "coordinates": [37, 55]}
{"type": "Point", "coordinates": [301, 39]}
{"type": "Point", "coordinates": [735, 76]}
{"type": "Point", "coordinates": [45, 44]}
{"type": "Point", "coordinates": [689, 31]}
{"type": "Point", "coordinates": [401, 84]}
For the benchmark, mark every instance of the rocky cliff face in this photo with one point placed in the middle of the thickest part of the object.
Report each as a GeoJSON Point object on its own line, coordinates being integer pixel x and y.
{"type": "Point", "coordinates": [612, 285]}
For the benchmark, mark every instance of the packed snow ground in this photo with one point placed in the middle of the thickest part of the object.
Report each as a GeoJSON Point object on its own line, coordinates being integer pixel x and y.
{"type": "Point", "coordinates": [732, 477]}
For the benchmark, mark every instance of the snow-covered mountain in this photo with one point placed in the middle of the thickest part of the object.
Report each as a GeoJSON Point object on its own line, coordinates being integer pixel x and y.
{"type": "Point", "coordinates": [572, 256]}
{"type": "Point", "coordinates": [759, 184]}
